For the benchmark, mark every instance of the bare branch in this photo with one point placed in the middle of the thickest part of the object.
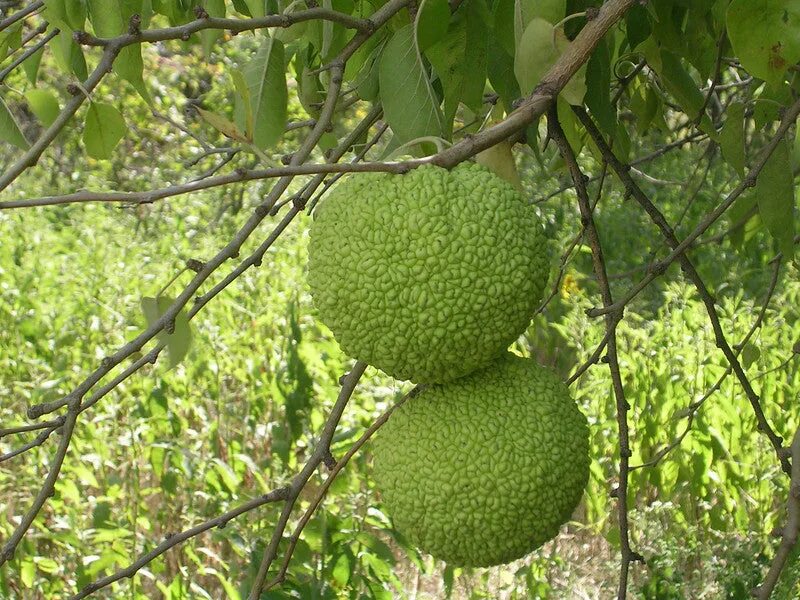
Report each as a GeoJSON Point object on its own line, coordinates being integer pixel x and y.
{"type": "Point", "coordinates": [321, 450]}
{"type": "Point", "coordinates": [182, 32]}
{"type": "Point", "coordinates": [627, 555]}
{"type": "Point", "coordinates": [30, 9]}
{"type": "Point", "coordinates": [691, 272]}
{"type": "Point", "coordinates": [29, 52]}
{"type": "Point", "coordinates": [334, 472]}
{"type": "Point", "coordinates": [659, 268]}
{"type": "Point", "coordinates": [790, 530]}
{"type": "Point", "coordinates": [173, 540]}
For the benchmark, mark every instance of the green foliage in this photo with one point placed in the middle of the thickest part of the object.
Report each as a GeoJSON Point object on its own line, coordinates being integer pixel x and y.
{"type": "Point", "coordinates": [238, 414]}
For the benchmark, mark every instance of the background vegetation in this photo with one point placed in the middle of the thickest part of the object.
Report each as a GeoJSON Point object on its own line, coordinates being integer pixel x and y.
{"type": "Point", "coordinates": [238, 416]}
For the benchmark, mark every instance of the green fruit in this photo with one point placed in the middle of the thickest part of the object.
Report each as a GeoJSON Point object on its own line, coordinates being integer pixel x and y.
{"type": "Point", "coordinates": [427, 275]}
{"type": "Point", "coordinates": [483, 470]}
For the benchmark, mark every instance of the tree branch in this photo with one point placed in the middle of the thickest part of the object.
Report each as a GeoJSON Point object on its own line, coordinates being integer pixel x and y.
{"type": "Point", "coordinates": [790, 530]}
{"type": "Point", "coordinates": [691, 272]}
{"type": "Point", "coordinates": [592, 236]}
{"type": "Point", "coordinates": [30, 9]}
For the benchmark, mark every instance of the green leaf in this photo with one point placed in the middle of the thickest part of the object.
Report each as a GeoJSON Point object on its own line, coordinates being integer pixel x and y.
{"type": "Point", "coordinates": [538, 49]}
{"type": "Point", "coordinates": [598, 86]}
{"type": "Point", "coordinates": [209, 37]}
{"type": "Point", "coordinates": [44, 105]}
{"type": "Point", "coordinates": [431, 23]}
{"type": "Point", "coordinates": [459, 60]}
{"type": "Point", "coordinates": [177, 342]}
{"type": "Point", "coordinates": [31, 65]}
{"type": "Point", "coordinates": [103, 129]}
{"type": "Point", "coordinates": [9, 128]}
{"type": "Point", "coordinates": [109, 20]}
{"type": "Point", "coordinates": [409, 104]}
{"type": "Point", "coordinates": [266, 81]}
{"type": "Point", "coordinates": [223, 125]}
{"type": "Point", "coordinates": [764, 35]}
{"type": "Point", "coordinates": [503, 25]}
{"type": "Point", "coordinates": [257, 8]}
{"type": "Point", "coordinates": [500, 159]}
{"type": "Point", "coordinates": [10, 39]}
{"type": "Point", "coordinates": [525, 11]}
{"type": "Point", "coordinates": [243, 103]}
{"type": "Point", "coordinates": [27, 573]}
{"type": "Point", "coordinates": [683, 88]}
{"type": "Point", "coordinates": [775, 197]}
{"type": "Point", "coordinates": [69, 56]}
{"type": "Point", "coordinates": [637, 25]}
{"type": "Point", "coordinates": [731, 138]}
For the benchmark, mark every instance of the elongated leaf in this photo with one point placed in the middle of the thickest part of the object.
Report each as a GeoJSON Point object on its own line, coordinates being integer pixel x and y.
{"type": "Point", "coordinates": [775, 197]}
{"type": "Point", "coordinates": [537, 51]}
{"type": "Point", "coordinates": [69, 56]}
{"type": "Point", "coordinates": [209, 37]}
{"type": "Point", "coordinates": [500, 159]}
{"type": "Point", "coordinates": [731, 138]}
{"type": "Point", "coordinates": [223, 125]}
{"type": "Point", "coordinates": [9, 128]}
{"type": "Point", "coordinates": [764, 35]}
{"type": "Point", "coordinates": [266, 81]}
{"type": "Point", "coordinates": [243, 103]}
{"type": "Point", "coordinates": [108, 20]}
{"type": "Point", "coordinates": [31, 65]}
{"type": "Point", "coordinates": [103, 129]}
{"type": "Point", "coordinates": [598, 85]}
{"type": "Point", "coordinates": [44, 105]}
{"type": "Point", "coordinates": [179, 341]}
{"type": "Point", "coordinates": [10, 39]}
{"type": "Point", "coordinates": [409, 104]}
{"type": "Point", "coordinates": [431, 22]}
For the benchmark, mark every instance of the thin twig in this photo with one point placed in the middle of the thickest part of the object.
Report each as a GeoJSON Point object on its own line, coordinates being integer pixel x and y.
{"type": "Point", "coordinates": [173, 540]}
{"type": "Point", "coordinates": [29, 52]}
{"type": "Point", "coordinates": [31, 8]}
{"type": "Point", "coordinates": [321, 450]}
{"type": "Point", "coordinates": [627, 556]}
{"type": "Point", "coordinates": [791, 529]}
{"type": "Point", "coordinates": [660, 267]}
{"type": "Point", "coordinates": [691, 272]}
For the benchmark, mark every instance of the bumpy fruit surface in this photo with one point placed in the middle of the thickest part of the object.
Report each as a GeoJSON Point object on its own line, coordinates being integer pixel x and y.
{"type": "Point", "coordinates": [427, 275]}
{"type": "Point", "coordinates": [483, 470]}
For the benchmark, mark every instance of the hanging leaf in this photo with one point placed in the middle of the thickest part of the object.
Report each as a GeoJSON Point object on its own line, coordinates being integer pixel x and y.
{"type": "Point", "coordinates": [774, 193]}
{"type": "Point", "coordinates": [9, 128]}
{"type": "Point", "coordinates": [431, 23]}
{"type": "Point", "coordinates": [44, 105]}
{"type": "Point", "coordinates": [109, 19]}
{"type": "Point", "coordinates": [500, 159]}
{"type": "Point", "coordinates": [223, 125]}
{"type": "Point", "coordinates": [209, 37]}
{"type": "Point", "coordinates": [598, 85]}
{"type": "Point", "coordinates": [103, 129]}
{"type": "Point", "coordinates": [409, 104]}
{"type": "Point", "coordinates": [31, 65]}
{"type": "Point", "coordinates": [266, 81]}
{"type": "Point", "coordinates": [179, 341]}
{"type": "Point", "coordinates": [764, 36]}
{"type": "Point", "coordinates": [69, 55]}
{"type": "Point", "coordinates": [537, 51]}
{"type": "Point", "coordinates": [731, 138]}
{"type": "Point", "coordinates": [243, 103]}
